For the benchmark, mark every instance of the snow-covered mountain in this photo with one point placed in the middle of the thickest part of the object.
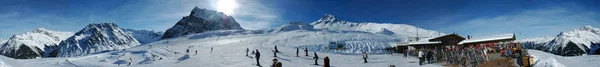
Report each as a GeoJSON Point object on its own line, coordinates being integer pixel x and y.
{"type": "Point", "coordinates": [202, 20]}
{"type": "Point", "coordinates": [573, 43]}
{"type": "Point", "coordinates": [144, 36]}
{"type": "Point", "coordinates": [32, 44]}
{"type": "Point", "coordinates": [95, 38]}
{"type": "Point", "coordinates": [2, 41]}
{"type": "Point", "coordinates": [330, 22]}
{"type": "Point", "coordinates": [293, 26]}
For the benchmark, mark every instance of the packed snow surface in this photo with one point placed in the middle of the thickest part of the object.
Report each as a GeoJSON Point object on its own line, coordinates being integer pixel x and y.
{"type": "Point", "coordinates": [543, 59]}
{"type": "Point", "coordinates": [229, 51]}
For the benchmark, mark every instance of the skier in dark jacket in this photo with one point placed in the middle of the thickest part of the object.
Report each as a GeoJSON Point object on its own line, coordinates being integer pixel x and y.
{"type": "Point", "coordinates": [316, 58]}
{"type": "Point", "coordinates": [274, 53]}
{"type": "Point", "coordinates": [297, 51]}
{"type": "Point", "coordinates": [257, 56]}
{"type": "Point", "coordinates": [326, 61]}
{"type": "Point", "coordinates": [276, 50]}
{"type": "Point", "coordinates": [305, 51]}
{"type": "Point", "coordinates": [246, 51]}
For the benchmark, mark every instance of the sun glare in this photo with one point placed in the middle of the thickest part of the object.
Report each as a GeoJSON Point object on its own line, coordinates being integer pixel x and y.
{"type": "Point", "coordinates": [226, 6]}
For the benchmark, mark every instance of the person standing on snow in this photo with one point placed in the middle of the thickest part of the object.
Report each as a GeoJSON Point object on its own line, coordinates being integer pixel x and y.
{"type": "Point", "coordinates": [326, 61]}
{"type": "Point", "coordinates": [316, 58]}
{"type": "Point", "coordinates": [365, 57]}
{"type": "Point", "coordinates": [211, 48]}
{"type": "Point", "coordinates": [306, 52]}
{"type": "Point", "coordinates": [421, 57]}
{"type": "Point", "coordinates": [257, 55]}
{"type": "Point", "coordinates": [187, 51]}
{"type": "Point", "coordinates": [276, 63]}
{"type": "Point", "coordinates": [297, 50]}
{"type": "Point", "coordinates": [196, 52]}
{"type": "Point", "coordinates": [246, 51]}
{"type": "Point", "coordinates": [130, 61]}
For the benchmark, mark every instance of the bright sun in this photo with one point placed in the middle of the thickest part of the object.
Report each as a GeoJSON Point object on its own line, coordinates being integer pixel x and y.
{"type": "Point", "coordinates": [226, 6]}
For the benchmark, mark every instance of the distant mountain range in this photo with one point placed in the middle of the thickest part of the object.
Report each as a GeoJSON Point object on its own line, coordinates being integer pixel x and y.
{"type": "Point", "coordinates": [405, 31]}
{"type": "Point", "coordinates": [573, 43]}
{"type": "Point", "coordinates": [95, 38]}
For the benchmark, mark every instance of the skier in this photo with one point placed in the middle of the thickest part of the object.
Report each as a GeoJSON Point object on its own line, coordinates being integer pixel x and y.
{"type": "Point", "coordinates": [253, 52]}
{"type": "Point", "coordinates": [326, 61]}
{"type": "Point", "coordinates": [276, 50]}
{"type": "Point", "coordinates": [365, 57]}
{"type": "Point", "coordinates": [196, 52]}
{"type": "Point", "coordinates": [257, 55]}
{"type": "Point", "coordinates": [246, 51]}
{"type": "Point", "coordinates": [305, 51]}
{"type": "Point", "coordinates": [187, 51]}
{"type": "Point", "coordinates": [274, 53]}
{"type": "Point", "coordinates": [297, 50]}
{"type": "Point", "coordinates": [211, 48]}
{"type": "Point", "coordinates": [130, 61]}
{"type": "Point", "coordinates": [316, 58]}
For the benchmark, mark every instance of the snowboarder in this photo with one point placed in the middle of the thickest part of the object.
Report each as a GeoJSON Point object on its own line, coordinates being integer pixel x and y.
{"type": "Point", "coordinates": [365, 57]}
{"type": "Point", "coordinates": [306, 52]}
{"type": "Point", "coordinates": [316, 58]}
{"type": "Point", "coordinates": [326, 61]}
{"type": "Point", "coordinates": [276, 50]}
{"type": "Point", "coordinates": [211, 48]}
{"type": "Point", "coordinates": [247, 51]}
{"type": "Point", "coordinates": [297, 51]}
{"type": "Point", "coordinates": [257, 55]}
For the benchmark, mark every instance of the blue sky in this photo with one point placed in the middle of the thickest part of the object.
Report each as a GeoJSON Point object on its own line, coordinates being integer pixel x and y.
{"type": "Point", "coordinates": [466, 17]}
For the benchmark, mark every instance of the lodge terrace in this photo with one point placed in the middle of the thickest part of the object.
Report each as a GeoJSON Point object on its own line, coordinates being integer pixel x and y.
{"type": "Point", "coordinates": [455, 50]}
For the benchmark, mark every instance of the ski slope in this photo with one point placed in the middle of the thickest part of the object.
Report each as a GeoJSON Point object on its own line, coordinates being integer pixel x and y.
{"type": "Point", "coordinates": [229, 51]}
{"type": "Point", "coordinates": [543, 59]}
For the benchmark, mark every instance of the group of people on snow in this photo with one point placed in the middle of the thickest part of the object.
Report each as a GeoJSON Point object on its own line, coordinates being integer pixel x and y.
{"type": "Point", "coordinates": [465, 55]}
{"type": "Point", "coordinates": [276, 63]}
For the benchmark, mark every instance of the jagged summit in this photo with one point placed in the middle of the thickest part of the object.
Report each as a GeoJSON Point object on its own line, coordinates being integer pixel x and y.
{"type": "Point", "coordinates": [572, 43]}
{"type": "Point", "coordinates": [95, 38]}
{"type": "Point", "coordinates": [32, 44]}
{"type": "Point", "coordinates": [327, 18]}
{"type": "Point", "coordinates": [588, 27]}
{"type": "Point", "coordinates": [202, 20]}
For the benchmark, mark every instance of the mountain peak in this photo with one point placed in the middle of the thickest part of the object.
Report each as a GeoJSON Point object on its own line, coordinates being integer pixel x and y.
{"type": "Point", "coordinates": [328, 18]}
{"type": "Point", "coordinates": [587, 27]}
{"type": "Point", "coordinates": [201, 20]}
{"type": "Point", "coordinates": [40, 29]}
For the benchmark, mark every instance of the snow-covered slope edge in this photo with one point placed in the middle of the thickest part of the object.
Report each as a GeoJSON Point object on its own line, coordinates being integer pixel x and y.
{"type": "Point", "coordinates": [330, 22]}
{"type": "Point", "coordinates": [544, 59]}
{"type": "Point", "coordinates": [32, 44]}
{"type": "Point", "coordinates": [96, 38]}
